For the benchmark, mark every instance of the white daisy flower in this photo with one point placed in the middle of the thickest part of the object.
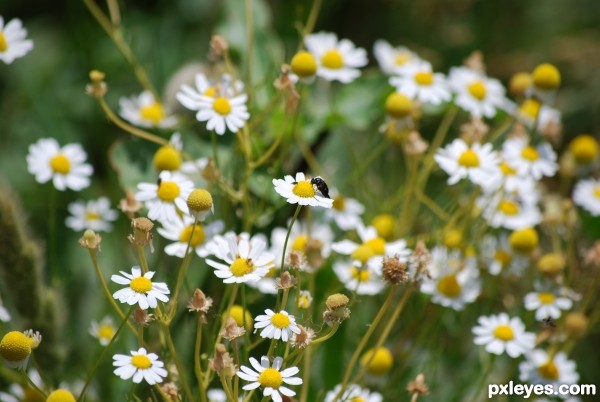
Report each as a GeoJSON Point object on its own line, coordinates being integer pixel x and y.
{"type": "Point", "coordinates": [304, 299]}
{"type": "Point", "coordinates": [316, 244]}
{"type": "Point", "coordinates": [418, 81]}
{"type": "Point", "coordinates": [346, 212]}
{"type": "Point", "coordinates": [194, 170]}
{"type": "Point", "coordinates": [363, 281]}
{"type": "Point", "coordinates": [104, 330]}
{"type": "Point", "coordinates": [268, 283]}
{"type": "Point", "coordinates": [587, 195]}
{"type": "Point", "coordinates": [245, 257]}
{"type": "Point", "coordinates": [218, 395]}
{"type": "Point", "coordinates": [270, 378]}
{"type": "Point", "coordinates": [4, 314]}
{"type": "Point", "coordinates": [352, 393]}
{"type": "Point", "coordinates": [546, 304]}
{"type": "Point", "coordinates": [373, 248]}
{"type": "Point", "coordinates": [204, 86]}
{"type": "Point", "coordinates": [512, 183]}
{"type": "Point", "coordinates": [336, 59]}
{"type": "Point", "coordinates": [96, 215]}
{"type": "Point", "coordinates": [540, 368]}
{"type": "Point", "coordinates": [146, 111]}
{"type": "Point", "coordinates": [180, 232]}
{"type": "Point", "coordinates": [499, 257]}
{"type": "Point", "coordinates": [454, 280]}
{"type": "Point", "coordinates": [65, 166]}
{"type": "Point", "coordinates": [274, 325]}
{"type": "Point", "coordinates": [141, 289]}
{"type": "Point", "coordinates": [167, 197]}
{"type": "Point", "coordinates": [140, 365]}
{"type": "Point", "coordinates": [12, 40]}
{"type": "Point", "coordinates": [478, 162]}
{"type": "Point", "coordinates": [509, 211]}
{"type": "Point", "coordinates": [476, 93]}
{"type": "Point", "coordinates": [392, 59]}
{"type": "Point", "coordinates": [535, 161]}
{"type": "Point", "coordinates": [500, 333]}
{"type": "Point", "coordinates": [301, 191]}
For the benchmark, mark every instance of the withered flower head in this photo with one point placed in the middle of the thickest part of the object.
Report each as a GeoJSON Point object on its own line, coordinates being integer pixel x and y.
{"type": "Point", "coordinates": [170, 389]}
{"type": "Point", "coordinates": [474, 130]}
{"type": "Point", "coordinates": [415, 144]}
{"type": "Point", "coordinates": [418, 386]}
{"type": "Point", "coordinates": [592, 255]}
{"type": "Point", "coordinates": [90, 240]}
{"type": "Point", "coordinates": [218, 45]}
{"type": "Point", "coordinates": [97, 86]}
{"type": "Point", "coordinates": [211, 173]}
{"type": "Point", "coordinates": [222, 363]}
{"type": "Point", "coordinates": [395, 271]}
{"type": "Point", "coordinates": [199, 302]}
{"type": "Point", "coordinates": [142, 317]}
{"type": "Point", "coordinates": [142, 232]}
{"type": "Point", "coordinates": [296, 260]}
{"type": "Point", "coordinates": [129, 205]}
{"type": "Point", "coordinates": [421, 258]}
{"type": "Point", "coordinates": [304, 338]}
{"type": "Point", "coordinates": [285, 281]}
{"type": "Point", "coordinates": [336, 309]}
{"type": "Point", "coordinates": [231, 330]}
{"type": "Point", "coordinates": [475, 61]}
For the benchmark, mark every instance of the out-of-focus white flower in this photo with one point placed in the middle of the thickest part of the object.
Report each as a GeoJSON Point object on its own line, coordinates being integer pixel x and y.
{"type": "Point", "coordinates": [392, 59]}
{"type": "Point", "coordinates": [477, 162]}
{"type": "Point", "coordinates": [500, 333]}
{"type": "Point", "coordinates": [12, 40]}
{"type": "Point", "coordinates": [337, 60]}
{"type": "Point", "coordinates": [96, 215]}
{"type": "Point", "coordinates": [418, 81]}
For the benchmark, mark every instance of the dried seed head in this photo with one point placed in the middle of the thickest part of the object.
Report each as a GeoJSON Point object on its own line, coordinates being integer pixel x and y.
{"type": "Point", "coordinates": [231, 330]}
{"type": "Point", "coordinates": [418, 386]}
{"type": "Point", "coordinates": [90, 240]}
{"type": "Point", "coordinates": [296, 260]}
{"type": "Point", "coordinates": [142, 317]}
{"type": "Point", "coordinates": [415, 144]}
{"type": "Point", "coordinates": [475, 61]}
{"type": "Point", "coordinates": [420, 258]}
{"type": "Point", "coordinates": [130, 205]}
{"type": "Point", "coordinates": [222, 363]}
{"type": "Point", "coordinates": [336, 309]}
{"type": "Point", "coordinates": [337, 301]}
{"type": "Point", "coordinates": [218, 45]}
{"type": "Point", "coordinates": [142, 232]}
{"type": "Point", "coordinates": [304, 338]}
{"type": "Point", "coordinates": [551, 264]}
{"type": "Point", "coordinates": [199, 302]}
{"type": "Point", "coordinates": [474, 130]}
{"type": "Point", "coordinates": [97, 86]}
{"type": "Point", "coordinates": [576, 325]}
{"type": "Point", "coordinates": [285, 281]}
{"type": "Point", "coordinates": [211, 173]}
{"type": "Point", "coordinates": [395, 271]}
{"type": "Point", "coordinates": [171, 391]}
{"type": "Point", "coordinates": [592, 255]}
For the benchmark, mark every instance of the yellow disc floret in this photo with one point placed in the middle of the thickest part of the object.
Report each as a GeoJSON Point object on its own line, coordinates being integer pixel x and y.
{"type": "Point", "coordinates": [377, 244]}
{"type": "Point", "coordinates": [167, 158]}
{"type": "Point", "coordinates": [530, 153]}
{"type": "Point", "coordinates": [199, 200]}
{"type": "Point", "coordinates": [153, 113]}
{"type": "Point", "coordinates": [546, 297]}
{"type": "Point", "coordinates": [530, 108]}
{"type": "Point", "coordinates": [141, 361]}
{"type": "Point", "coordinates": [304, 189]}
{"type": "Point", "coordinates": [222, 106]}
{"type": "Point", "coordinates": [546, 76]}
{"type": "Point", "coordinates": [3, 43]}
{"type": "Point", "coordinates": [362, 253]}
{"type": "Point", "coordinates": [398, 105]}
{"type": "Point", "coordinates": [384, 225]}
{"type": "Point", "coordinates": [60, 395]}
{"type": "Point", "coordinates": [239, 315]}
{"type": "Point", "coordinates": [197, 237]}
{"type": "Point", "coordinates": [424, 78]}
{"type": "Point", "coordinates": [504, 333]}
{"type": "Point", "coordinates": [141, 284]}
{"type": "Point", "coordinates": [453, 238]}
{"type": "Point", "coordinates": [60, 164]}
{"type": "Point", "coordinates": [477, 90]}
{"type": "Point", "coordinates": [549, 370]}
{"type": "Point", "coordinates": [106, 332]}
{"type": "Point", "coordinates": [332, 59]}
{"type": "Point", "coordinates": [584, 148]}
{"type": "Point", "coordinates": [508, 207]}
{"type": "Point", "coordinates": [339, 203]}
{"type": "Point", "coordinates": [300, 242]}
{"type": "Point", "coordinates": [524, 240]}
{"type": "Point", "coordinates": [280, 320]}
{"type": "Point", "coordinates": [520, 83]}
{"type": "Point", "coordinates": [304, 64]}
{"type": "Point", "coordinates": [15, 347]}
{"type": "Point", "coordinates": [469, 159]}
{"type": "Point", "coordinates": [449, 286]}
{"type": "Point", "coordinates": [241, 266]}
{"type": "Point", "coordinates": [377, 362]}
{"type": "Point", "coordinates": [361, 275]}
{"type": "Point", "coordinates": [168, 191]}
{"type": "Point", "coordinates": [270, 378]}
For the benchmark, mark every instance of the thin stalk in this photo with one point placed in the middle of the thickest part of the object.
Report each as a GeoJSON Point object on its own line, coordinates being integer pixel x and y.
{"type": "Point", "coordinates": [183, 266]}
{"type": "Point", "coordinates": [32, 384]}
{"type": "Point", "coordinates": [180, 368]}
{"type": "Point", "coordinates": [128, 127]}
{"type": "Point", "coordinates": [249, 43]}
{"type": "Point", "coordinates": [52, 235]}
{"type": "Point", "coordinates": [287, 235]}
{"type": "Point", "coordinates": [312, 18]}
{"type": "Point", "coordinates": [197, 366]}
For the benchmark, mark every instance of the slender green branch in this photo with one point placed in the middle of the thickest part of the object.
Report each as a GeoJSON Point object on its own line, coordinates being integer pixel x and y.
{"type": "Point", "coordinates": [128, 127]}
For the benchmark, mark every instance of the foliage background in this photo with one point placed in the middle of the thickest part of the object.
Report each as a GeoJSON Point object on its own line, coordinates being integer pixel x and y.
{"type": "Point", "coordinates": [43, 95]}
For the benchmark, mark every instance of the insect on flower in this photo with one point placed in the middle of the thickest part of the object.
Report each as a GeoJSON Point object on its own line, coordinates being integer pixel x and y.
{"type": "Point", "coordinates": [321, 186]}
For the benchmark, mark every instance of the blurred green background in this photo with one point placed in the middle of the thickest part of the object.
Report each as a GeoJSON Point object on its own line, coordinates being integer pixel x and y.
{"type": "Point", "coordinates": [42, 94]}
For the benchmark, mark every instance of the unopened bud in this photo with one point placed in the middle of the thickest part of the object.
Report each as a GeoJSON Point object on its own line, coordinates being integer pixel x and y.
{"type": "Point", "coordinates": [90, 240]}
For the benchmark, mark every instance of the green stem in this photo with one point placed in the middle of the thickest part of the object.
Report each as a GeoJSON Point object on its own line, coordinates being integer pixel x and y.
{"type": "Point", "coordinates": [183, 267]}
{"type": "Point", "coordinates": [287, 235]}
{"type": "Point", "coordinates": [197, 366]}
{"type": "Point", "coordinates": [54, 275]}
{"type": "Point", "coordinates": [128, 127]}
{"type": "Point", "coordinates": [32, 384]}
{"type": "Point", "coordinates": [180, 368]}
{"type": "Point", "coordinates": [97, 364]}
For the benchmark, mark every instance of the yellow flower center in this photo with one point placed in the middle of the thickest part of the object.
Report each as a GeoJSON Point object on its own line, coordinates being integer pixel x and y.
{"type": "Point", "coordinates": [61, 395]}
{"type": "Point", "coordinates": [303, 301]}
{"type": "Point", "coordinates": [167, 158]}
{"type": "Point", "coordinates": [339, 203]}
{"type": "Point", "coordinates": [381, 362]}
{"type": "Point", "coordinates": [141, 284]}
{"type": "Point", "coordinates": [546, 76]}
{"type": "Point", "coordinates": [402, 58]}
{"type": "Point", "coordinates": [477, 90]}
{"type": "Point", "coordinates": [92, 216]}
{"type": "Point", "coordinates": [304, 189]}
{"type": "Point", "coordinates": [384, 224]}
{"type": "Point", "coordinates": [304, 64]}
{"type": "Point", "coordinates": [332, 59]}
{"type": "Point", "coordinates": [222, 106]}
{"type": "Point", "coordinates": [211, 91]}
{"type": "Point", "coordinates": [584, 148]}
{"type": "Point", "coordinates": [168, 191]}
{"type": "Point", "coordinates": [398, 105]}
{"type": "Point", "coordinates": [15, 346]}
{"type": "Point", "coordinates": [241, 267]}
{"type": "Point", "coordinates": [200, 200]}
{"type": "Point", "coordinates": [270, 378]}
{"type": "Point", "coordinates": [300, 243]}
{"type": "Point", "coordinates": [503, 257]}
{"type": "Point", "coordinates": [280, 320]}
{"type": "Point", "coordinates": [548, 370]}
{"type": "Point", "coordinates": [3, 43]}
{"type": "Point", "coordinates": [507, 170]}
{"type": "Point", "coordinates": [424, 78]}
{"type": "Point", "coordinates": [508, 207]}
{"type": "Point", "coordinates": [524, 240]}
{"type": "Point", "coordinates": [357, 399]}
{"type": "Point", "coordinates": [106, 332]}
{"type": "Point", "coordinates": [453, 238]}
{"type": "Point", "coordinates": [546, 297]}
{"type": "Point", "coordinates": [504, 333]}
{"type": "Point", "coordinates": [449, 286]}
{"type": "Point", "coordinates": [469, 159]}
{"type": "Point", "coordinates": [153, 113]}
{"type": "Point", "coordinates": [361, 275]}
{"type": "Point", "coordinates": [531, 108]}
{"type": "Point", "coordinates": [32, 395]}
{"type": "Point", "coordinates": [60, 164]}
{"type": "Point", "coordinates": [239, 315]}
{"type": "Point", "coordinates": [519, 83]}
{"type": "Point", "coordinates": [377, 244]}
{"type": "Point", "coordinates": [530, 153]}
{"type": "Point", "coordinates": [597, 192]}
{"type": "Point", "coordinates": [196, 239]}
{"type": "Point", "coordinates": [141, 361]}
{"type": "Point", "coordinates": [362, 253]}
